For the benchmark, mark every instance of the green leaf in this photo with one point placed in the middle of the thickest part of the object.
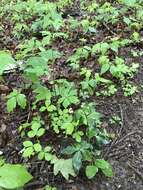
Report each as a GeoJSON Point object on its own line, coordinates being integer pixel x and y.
{"type": "Point", "coordinates": [41, 155]}
{"type": "Point", "coordinates": [68, 95]}
{"type": "Point", "coordinates": [105, 68]}
{"type": "Point", "coordinates": [27, 143]}
{"type": "Point", "coordinates": [104, 47]}
{"type": "Point", "coordinates": [51, 108]}
{"type": "Point", "coordinates": [129, 3]}
{"type": "Point", "coordinates": [12, 94]}
{"type": "Point", "coordinates": [37, 66]}
{"type": "Point", "coordinates": [91, 171]}
{"type": "Point", "coordinates": [105, 167]}
{"type": "Point", "coordinates": [35, 125]}
{"type": "Point", "coordinates": [11, 104]}
{"type": "Point", "coordinates": [69, 150]}
{"type": "Point", "coordinates": [42, 93]}
{"type": "Point", "coordinates": [69, 127]}
{"type": "Point", "coordinates": [77, 160]}
{"type": "Point", "coordinates": [103, 60]}
{"type": "Point", "coordinates": [5, 61]}
{"type": "Point", "coordinates": [48, 156]}
{"type": "Point", "coordinates": [28, 152]}
{"type": "Point", "coordinates": [40, 132]}
{"type": "Point", "coordinates": [65, 167]}
{"type": "Point", "coordinates": [47, 149]}
{"type": "Point", "coordinates": [13, 176]}
{"type": "Point", "coordinates": [31, 134]}
{"type": "Point", "coordinates": [37, 147]}
{"type": "Point", "coordinates": [21, 100]}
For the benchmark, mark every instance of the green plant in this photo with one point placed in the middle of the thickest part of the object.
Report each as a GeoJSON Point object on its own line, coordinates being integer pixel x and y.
{"type": "Point", "coordinates": [68, 95]}
{"type": "Point", "coordinates": [13, 176]}
{"type": "Point", "coordinates": [48, 187]}
{"type": "Point", "coordinates": [64, 166]}
{"type": "Point", "coordinates": [45, 154]}
{"type": "Point", "coordinates": [6, 61]}
{"type": "Point", "coordinates": [115, 120]}
{"type": "Point", "coordinates": [99, 164]}
{"type": "Point", "coordinates": [89, 83]}
{"type": "Point", "coordinates": [30, 148]}
{"type": "Point", "coordinates": [129, 89]}
{"type": "Point", "coordinates": [63, 120]}
{"type": "Point", "coordinates": [14, 98]}
{"type": "Point", "coordinates": [36, 129]}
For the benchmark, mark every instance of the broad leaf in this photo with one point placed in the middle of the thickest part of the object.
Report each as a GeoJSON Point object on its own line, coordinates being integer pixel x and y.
{"type": "Point", "coordinates": [129, 2]}
{"type": "Point", "coordinates": [105, 68]}
{"type": "Point", "coordinates": [65, 167]}
{"type": "Point", "coordinates": [91, 171]}
{"type": "Point", "coordinates": [77, 161]}
{"type": "Point", "coordinates": [5, 61]}
{"type": "Point", "coordinates": [11, 104]}
{"type": "Point", "coordinates": [69, 150]}
{"type": "Point", "coordinates": [13, 176]}
{"type": "Point", "coordinates": [21, 100]}
{"type": "Point", "coordinates": [105, 167]}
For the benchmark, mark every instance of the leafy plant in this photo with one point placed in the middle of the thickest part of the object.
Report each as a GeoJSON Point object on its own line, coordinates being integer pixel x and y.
{"type": "Point", "coordinates": [6, 61]}
{"type": "Point", "coordinates": [68, 95]}
{"type": "Point", "coordinates": [64, 166]}
{"type": "Point", "coordinates": [101, 164]}
{"type": "Point", "coordinates": [14, 98]}
{"type": "Point", "coordinates": [45, 154]}
{"type": "Point", "coordinates": [30, 148]}
{"type": "Point", "coordinates": [35, 128]}
{"type": "Point", "coordinates": [48, 187]}
{"type": "Point", "coordinates": [13, 176]}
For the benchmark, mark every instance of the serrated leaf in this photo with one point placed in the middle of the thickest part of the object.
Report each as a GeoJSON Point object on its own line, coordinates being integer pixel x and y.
{"type": "Point", "coordinates": [28, 152]}
{"type": "Point", "coordinates": [69, 150]}
{"type": "Point", "coordinates": [65, 167]}
{"type": "Point", "coordinates": [27, 143]}
{"type": "Point", "coordinates": [37, 147]}
{"type": "Point", "coordinates": [129, 2]}
{"type": "Point", "coordinates": [69, 128]}
{"type": "Point", "coordinates": [31, 134]}
{"type": "Point", "coordinates": [41, 155]}
{"type": "Point", "coordinates": [91, 171]}
{"type": "Point", "coordinates": [103, 60]}
{"type": "Point", "coordinates": [105, 167]}
{"type": "Point", "coordinates": [48, 156]}
{"type": "Point", "coordinates": [11, 104]}
{"type": "Point", "coordinates": [40, 132]}
{"type": "Point", "coordinates": [21, 100]}
{"type": "Point", "coordinates": [77, 160]}
{"type": "Point", "coordinates": [105, 68]}
{"type": "Point", "coordinates": [13, 176]}
{"type": "Point", "coordinates": [5, 61]}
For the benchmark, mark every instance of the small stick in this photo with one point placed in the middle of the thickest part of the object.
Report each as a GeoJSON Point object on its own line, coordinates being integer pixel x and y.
{"type": "Point", "coordinates": [136, 171]}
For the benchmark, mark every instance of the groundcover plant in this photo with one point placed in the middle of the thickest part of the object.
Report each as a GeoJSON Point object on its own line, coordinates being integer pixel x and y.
{"type": "Point", "coordinates": [70, 55]}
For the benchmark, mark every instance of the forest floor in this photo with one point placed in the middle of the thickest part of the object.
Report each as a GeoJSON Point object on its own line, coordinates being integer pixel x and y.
{"type": "Point", "coordinates": [125, 149]}
{"type": "Point", "coordinates": [125, 152]}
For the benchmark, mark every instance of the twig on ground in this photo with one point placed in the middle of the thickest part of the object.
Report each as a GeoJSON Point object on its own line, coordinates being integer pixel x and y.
{"type": "Point", "coordinates": [109, 29]}
{"type": "Point", "coordinates": [135, 170]}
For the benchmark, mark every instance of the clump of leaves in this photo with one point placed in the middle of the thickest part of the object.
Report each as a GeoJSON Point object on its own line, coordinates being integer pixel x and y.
{"type": "Point", "coordinates": [13, 176]}
{"type": "Point", "coordinates": [16, 98]}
